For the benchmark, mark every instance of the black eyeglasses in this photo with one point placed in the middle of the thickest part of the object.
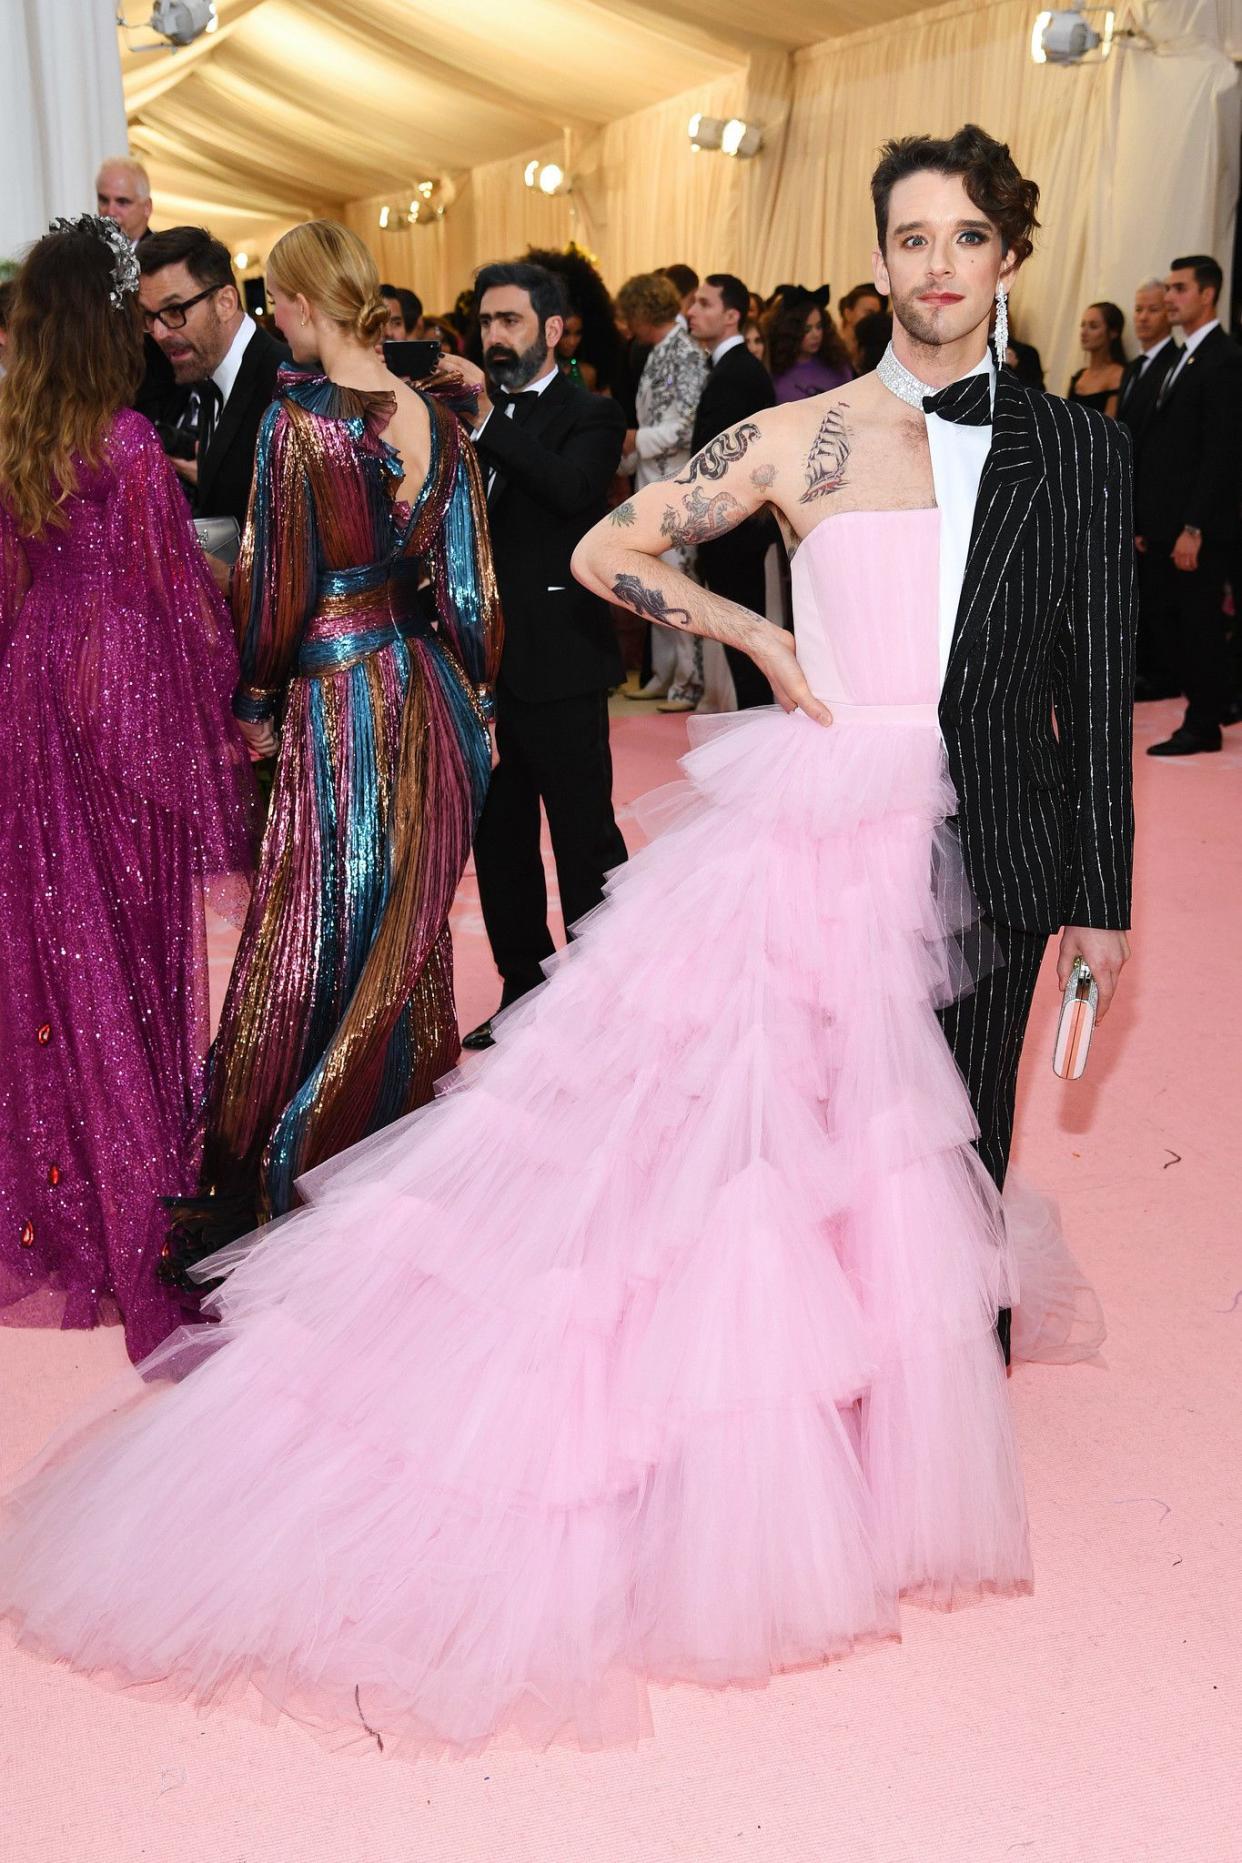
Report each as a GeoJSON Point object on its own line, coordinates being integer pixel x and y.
{"type": "Point", "coordinates": [173, 315]}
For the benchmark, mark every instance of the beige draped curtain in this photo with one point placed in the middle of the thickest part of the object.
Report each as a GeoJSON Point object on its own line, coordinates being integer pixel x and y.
{"type": "Point", "coordinates": [62, 111]}
{"type": "Point", "coordinates": [493, 215]}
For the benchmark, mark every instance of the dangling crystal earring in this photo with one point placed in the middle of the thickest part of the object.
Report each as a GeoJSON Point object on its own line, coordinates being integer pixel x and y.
{"type": "Point", "coordinates": [1002, 326]}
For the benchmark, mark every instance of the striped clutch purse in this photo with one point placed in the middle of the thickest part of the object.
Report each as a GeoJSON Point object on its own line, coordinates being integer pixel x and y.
{"type": "Point", "coordinates": [1077, 1023]}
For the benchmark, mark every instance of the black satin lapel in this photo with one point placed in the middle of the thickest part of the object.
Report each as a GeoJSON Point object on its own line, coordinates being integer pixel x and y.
{"type": "Point", "coordinates": [1012, 474]}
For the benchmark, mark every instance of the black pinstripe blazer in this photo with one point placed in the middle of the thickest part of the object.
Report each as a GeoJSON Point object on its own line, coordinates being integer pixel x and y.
{"type": "Point", "coordinates": [1045, 631]}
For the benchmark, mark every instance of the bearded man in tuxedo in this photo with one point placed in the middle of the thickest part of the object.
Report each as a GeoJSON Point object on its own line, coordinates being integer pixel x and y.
{"type": "Point", "coordinates": [549, 451]}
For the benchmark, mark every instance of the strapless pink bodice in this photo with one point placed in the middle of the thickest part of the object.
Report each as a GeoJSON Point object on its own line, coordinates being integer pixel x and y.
{"type": "Point", "coordinates": [865, 587]}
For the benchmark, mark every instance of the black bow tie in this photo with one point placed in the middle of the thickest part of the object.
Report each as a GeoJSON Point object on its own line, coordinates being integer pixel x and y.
{"type": "Point", "coordinates": [968, 402]}
{"type": "Point", "coordinates": [501, 397]}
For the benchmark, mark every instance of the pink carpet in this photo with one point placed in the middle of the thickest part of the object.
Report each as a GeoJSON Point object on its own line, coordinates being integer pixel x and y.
{"type": "Point", "coordinates": [1097, 1722]}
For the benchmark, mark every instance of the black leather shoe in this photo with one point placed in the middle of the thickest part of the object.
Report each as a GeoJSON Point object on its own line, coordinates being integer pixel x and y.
{"type": "Point", "coordinates": [481, 1037]}
{"type": "Point", "coordinates": [1184, 743]}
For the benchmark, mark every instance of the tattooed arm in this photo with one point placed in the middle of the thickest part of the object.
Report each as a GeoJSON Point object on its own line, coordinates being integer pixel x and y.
{"type": "Point", "coordinates": [620, 559]}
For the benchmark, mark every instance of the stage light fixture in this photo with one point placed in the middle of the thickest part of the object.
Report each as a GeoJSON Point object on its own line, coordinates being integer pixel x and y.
{"type": "Point", "coordinates": [741, 139]}
{"type": "Point", "coordinates": [177, 22]}
{"type": "Point", "coordinates": [1065, 35]}
{"type": "Point", "coordinates": [705, 131]}
{"type": "Point", "coordinates": [549, 177]}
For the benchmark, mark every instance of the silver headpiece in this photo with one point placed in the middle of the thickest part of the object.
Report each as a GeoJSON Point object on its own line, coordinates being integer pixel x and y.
{"type": "Point", "coordinates": [125, 273]}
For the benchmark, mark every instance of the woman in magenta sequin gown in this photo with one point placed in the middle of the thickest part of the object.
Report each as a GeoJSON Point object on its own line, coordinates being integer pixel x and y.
{"type": "Point", "coordinates": [125, 803]}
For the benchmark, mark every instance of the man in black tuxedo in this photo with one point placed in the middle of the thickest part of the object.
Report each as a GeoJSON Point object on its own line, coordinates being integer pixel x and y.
{"type": "Point", "coordinates": [192, 308]}
{"type": "Point", "coordinates": [549, 451]}
{"type": "Point", "coordinates": [1157, 674]}
{"type": "Point", "coordinates": [1188, 488]}
{"type": "Point", "coordinates": [1031, 600]}
{"type": "Point", "coordinates": [737, 386]}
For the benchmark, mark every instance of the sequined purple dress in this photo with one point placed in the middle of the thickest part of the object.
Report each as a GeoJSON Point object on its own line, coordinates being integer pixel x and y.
{"type": "Point", "coordinates": [125, 801]}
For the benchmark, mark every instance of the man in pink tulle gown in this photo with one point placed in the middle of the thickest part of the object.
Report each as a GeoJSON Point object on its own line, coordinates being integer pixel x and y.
{"type": "Point", "coordinates": [1035, 701]}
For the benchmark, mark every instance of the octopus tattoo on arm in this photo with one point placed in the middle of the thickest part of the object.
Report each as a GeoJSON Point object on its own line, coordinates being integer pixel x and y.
{"type": "Point", "coordinates": [632, 593]}
{"type": "Point", "coordinates": [721, 453]}
{"type": "Point", "coordinates": [828, 457]}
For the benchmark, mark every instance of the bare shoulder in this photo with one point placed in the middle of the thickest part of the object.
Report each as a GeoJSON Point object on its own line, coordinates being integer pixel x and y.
{"type": "Point", "coordinates": [856, 447]}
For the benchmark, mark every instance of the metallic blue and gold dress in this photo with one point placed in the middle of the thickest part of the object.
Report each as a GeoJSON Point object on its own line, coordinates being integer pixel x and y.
{"type": "Point", "coordinates": [370, 631]}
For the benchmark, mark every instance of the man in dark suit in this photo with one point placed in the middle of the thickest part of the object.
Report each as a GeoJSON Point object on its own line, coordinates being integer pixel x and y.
{"type": "Point", "coordinates": [549, 451]}
{"type": "Point", "coordinates": [1031, 599]}
{"type": "Point", "coordinates": [192, 308]}
{"type": "Point", "coordinates": [1188, 487]}
{"type": "Point", "coordinates": [737, 386]}
{"type": "Point", "coordinates": [1156, 676]}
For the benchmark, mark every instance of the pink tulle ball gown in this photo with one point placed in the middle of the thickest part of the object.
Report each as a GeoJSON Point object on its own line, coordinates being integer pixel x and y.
{"type": "Point", "coordinates": [661, 1347]}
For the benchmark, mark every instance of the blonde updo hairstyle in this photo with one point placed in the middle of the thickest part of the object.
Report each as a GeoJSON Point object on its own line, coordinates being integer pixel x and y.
{"type": "Point", "coordinates": [331, 268]}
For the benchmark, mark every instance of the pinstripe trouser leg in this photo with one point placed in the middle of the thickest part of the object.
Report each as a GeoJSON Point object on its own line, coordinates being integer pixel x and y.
{"type": "Point", "coordinates": [985, 1031]}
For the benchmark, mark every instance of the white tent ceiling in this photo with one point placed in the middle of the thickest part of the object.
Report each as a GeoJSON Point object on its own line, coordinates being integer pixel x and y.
{"type": "Point", "coordinates": [293, 107]}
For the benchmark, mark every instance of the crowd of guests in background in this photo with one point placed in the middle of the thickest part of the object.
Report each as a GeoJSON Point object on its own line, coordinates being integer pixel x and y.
{"type": "Point", "coordinates": [212, 364]}
{"type": "Point", "coordinates": [650, 345]}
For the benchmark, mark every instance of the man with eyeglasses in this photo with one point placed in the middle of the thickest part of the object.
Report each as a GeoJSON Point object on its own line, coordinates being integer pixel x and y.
{"type": "Point", "coordinates": [193, 310]}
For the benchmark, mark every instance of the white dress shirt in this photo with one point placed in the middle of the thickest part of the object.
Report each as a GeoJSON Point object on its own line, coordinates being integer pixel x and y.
{"type": "Point", "coordinates": [957, 456]}
{"type": "Point", "coordinates": [225, 376]}
{"type": "Point", "coordinates": [723, 347]}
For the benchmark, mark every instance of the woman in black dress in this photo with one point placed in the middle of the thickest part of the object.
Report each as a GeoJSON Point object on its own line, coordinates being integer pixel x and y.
{"type": "Point", "coordinates": [1099, 384]}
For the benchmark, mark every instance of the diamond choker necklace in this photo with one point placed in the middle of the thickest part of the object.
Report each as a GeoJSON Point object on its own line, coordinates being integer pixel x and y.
{"type": "Point", "coordinates": [897, 378]}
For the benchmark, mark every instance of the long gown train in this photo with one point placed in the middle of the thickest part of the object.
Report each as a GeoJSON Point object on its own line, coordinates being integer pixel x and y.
{"type": "Point", "coordinates": [661, 1346]}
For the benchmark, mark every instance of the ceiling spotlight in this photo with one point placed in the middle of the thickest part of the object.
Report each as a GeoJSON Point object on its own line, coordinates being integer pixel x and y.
{"type": "Point", "coordinates": [1066, 37]}
{"type": "Point", "coordinates": [548, 177]}
{"type": "Point", "coordinates": [385, 215]}
{"type": "Point", "coordinates": [177, 23]}
{"type": "Point", "coordinates": [183, 21]}
{"type": "Point", "coordinates": [741, 139]}
{"type": "Point", "coordinates": [241, 260]}
{"type": "Point", "coordinates": [705, 131]}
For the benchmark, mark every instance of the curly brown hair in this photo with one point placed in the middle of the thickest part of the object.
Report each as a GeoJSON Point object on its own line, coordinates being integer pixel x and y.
{"type": "Point", "coordinates": [785, 328]}
{"type": "Point", "coordinates": [72, 363]}
{"type": "Point", "coordinates": [649, 296]}
{"type": "Point", "coordinates": [988, 172]}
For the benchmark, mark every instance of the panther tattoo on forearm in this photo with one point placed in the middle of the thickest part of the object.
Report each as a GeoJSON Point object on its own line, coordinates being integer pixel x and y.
{"type": "Point", "coordinates": [632, 593]}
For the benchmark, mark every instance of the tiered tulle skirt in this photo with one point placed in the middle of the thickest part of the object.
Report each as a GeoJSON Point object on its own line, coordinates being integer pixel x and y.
{"type": "Point", "coordinates": [660, 1348]}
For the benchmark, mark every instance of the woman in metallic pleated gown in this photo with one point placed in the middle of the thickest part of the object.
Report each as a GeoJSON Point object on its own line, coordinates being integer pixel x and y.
{"type": "Point", "coordinates": [369, 631]}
